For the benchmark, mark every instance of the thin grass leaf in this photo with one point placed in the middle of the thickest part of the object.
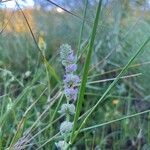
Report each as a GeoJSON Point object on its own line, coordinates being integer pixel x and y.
{"type": "Point", "coordinates": [110, 87]}
{"type": "Point", "coordinates": [5, 115]}
{"type": "Point", "coordinates": [86, 69]}
{"type": "Point", "coordinates": [18, 100]}
{"type": "Point", "coordinates": [49, 140]}
{"type": "Point", "coordinates": [4, 27]}
{"type": "Point", "coordinates": [51, 69]}
{"type": "Point", "coordinates": [48, 126]}
{"type": "Point", "coordinates": [73, 14]}
{"type": "Point", "coordinates": [115, 120]}
{"type": "Point", "coordinates": [42, 115]}
{"type": "Point", "coordinates": [112, 79]}
{"type": "Point", "coordinates": [23, 119]}
{"type": "Point", "coordinates": [120, 68]}
{"type": "Point", "coordinates": [82, 27]}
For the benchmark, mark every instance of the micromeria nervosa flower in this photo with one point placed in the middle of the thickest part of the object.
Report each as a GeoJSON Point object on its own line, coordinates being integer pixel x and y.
{"type": "Point", "coordinates": [67, 56]}
{"type": "Point", "coordinates": [71, 80]}
{"type": "Point", "coordinates": [71, 68]}
{"type": "Point", "coordinates": [65, 51]}
{"type": "Point", "coordinates": [71, 59]}
{"type": "Point", "coordinates": [71, 93]}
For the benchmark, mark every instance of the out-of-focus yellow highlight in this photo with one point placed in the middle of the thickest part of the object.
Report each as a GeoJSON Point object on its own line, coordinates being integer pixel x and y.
{"type": "Point", "coordinates": [15, 22]}
{"type": "Point", "coordinates": [115, 101]}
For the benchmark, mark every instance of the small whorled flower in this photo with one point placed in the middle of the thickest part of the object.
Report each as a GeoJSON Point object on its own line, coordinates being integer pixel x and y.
{"type": "Point", "coordinates": [71, 68]}
{"type": "Point", "coordinates": [71, 93]}
{"type": "Point", "coordinates": [71, 59]}
{"type": "Point", "coordinates": [67, 56]}
{"type": "Point", "coordinates": [71, 80]}
{"type": "Point", "coordinates": [66, 127]}
{"type": "Point", "coordinates": [67, 109]}
{"type": "Point", "coordinates": [65, 51]}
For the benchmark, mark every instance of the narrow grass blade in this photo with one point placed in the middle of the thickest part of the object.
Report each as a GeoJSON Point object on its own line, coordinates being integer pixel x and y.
{"type": "Point", "coordinates": [86, 69]}
{"type": "Point", "coordinates": [5, 115]}
{"type": "Point", "coordinates": [69, 12]}
{"type": "Point", "coordinates": [51, 69]}
{"type": "Point", "coordinates": [110, 87]}
{"type": "Point", "coordinates": [18, 100]}
{"type": "Point", "coordinates": [115, 120]}
{"type": "Point", "coordinates": [22, 121]}
{"type": "Point", "coordinates": [82, 27]}
{"type": "Point", "coordinates": [48, 141]}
